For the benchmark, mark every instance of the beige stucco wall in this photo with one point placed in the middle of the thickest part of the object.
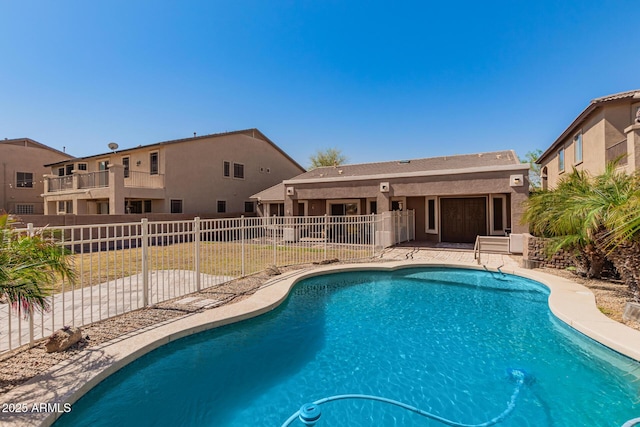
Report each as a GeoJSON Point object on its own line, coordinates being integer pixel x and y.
{"type": "Point", "coordinates": [602, 129]}
{"type": "Point", "coordinates": [415, 190]}
{"type": "Point", "coordinates": [21, 158]}
{"type": "Point", "coordinates": [192, 171]}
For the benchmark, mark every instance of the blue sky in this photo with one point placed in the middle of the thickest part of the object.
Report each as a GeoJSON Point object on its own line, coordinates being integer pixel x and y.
{"type": "Point", "coordinates": [377, 80]}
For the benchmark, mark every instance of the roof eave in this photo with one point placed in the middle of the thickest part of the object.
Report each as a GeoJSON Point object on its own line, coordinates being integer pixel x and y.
{"type": "Point", "coordinates": [446, 172]}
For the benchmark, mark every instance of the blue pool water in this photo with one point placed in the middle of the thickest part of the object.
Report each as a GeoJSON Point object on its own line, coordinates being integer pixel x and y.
{"type": "Point", "coordinates": [442, 340]}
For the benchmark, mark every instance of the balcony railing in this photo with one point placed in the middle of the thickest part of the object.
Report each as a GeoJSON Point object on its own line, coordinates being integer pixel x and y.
{"type": "Point", "coordinates": [100, 179]}
{"type": "Point", "coordinates": [60, 183]}
{"type": "Point", "coordinates": [143, 180]}
{"type": "Point", "coordinates": [93, 179]}
{"type": "Point", "coordinates": [617, 151]}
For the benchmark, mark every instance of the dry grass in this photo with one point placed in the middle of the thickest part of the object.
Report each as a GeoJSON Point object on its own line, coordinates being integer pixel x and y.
{"type": "Point", "coordinates": [216, 258]}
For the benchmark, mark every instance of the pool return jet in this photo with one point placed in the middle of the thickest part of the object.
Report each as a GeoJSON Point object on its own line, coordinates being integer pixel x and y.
{"type": "Point", "coordinates": [310, 413]}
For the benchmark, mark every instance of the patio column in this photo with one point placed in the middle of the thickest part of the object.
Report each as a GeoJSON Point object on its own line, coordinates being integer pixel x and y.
{"type": "Point", "coordinates": [633, 147]}
{"type": "Point", "coordinates": [116, 189]}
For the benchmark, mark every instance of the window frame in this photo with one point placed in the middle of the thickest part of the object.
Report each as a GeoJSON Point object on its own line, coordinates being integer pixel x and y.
{"type": "Point", "coordinates": [24, 182]}
{"type": "Point", "coordinates": [427, 218]}
{"type": "Point", "coordinates": [578, 141]}
{"type": "Point", "coordinates": [561, 160]}
{"type": "Point", "coordinates": [345, 202]}
{"type": "Point", "coordinates": [126, 163]}
{"type": "Point", "coordinates": [223, 204]}
{"type": "Point", "coordinates": [238, 170]}
{"type": "Point", "coordinates": [492, 216]}
{"type": "Point", "coordinates": [25, 209]}
{"type": "Point", "coordinates": [176, 202]}
{"type": "Point", "coordinates": [253, 207]}
{"type": "Point", "coordinates": [154, 158]}
{"type": "Point", "coordinates": [226, 169]}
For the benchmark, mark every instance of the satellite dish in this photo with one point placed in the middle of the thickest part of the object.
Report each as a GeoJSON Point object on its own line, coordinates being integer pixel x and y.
{"type": "Point", "coordinates": [112, 146]}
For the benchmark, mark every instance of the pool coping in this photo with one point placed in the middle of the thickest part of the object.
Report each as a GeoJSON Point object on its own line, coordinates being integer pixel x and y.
{"type": "Point", "coordinates": [69, 380]}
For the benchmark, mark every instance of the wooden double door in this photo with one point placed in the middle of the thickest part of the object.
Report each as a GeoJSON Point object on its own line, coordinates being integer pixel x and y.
{"type": "Point", "coordinates": [462, 219]}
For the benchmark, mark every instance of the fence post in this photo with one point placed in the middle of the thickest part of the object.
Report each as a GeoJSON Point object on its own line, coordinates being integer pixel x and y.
{"type": "Point", "coordinates": [145, 262]}
{"type": "Point", "coordinates": [196, 240]}
{"type": "Point", "coordinates": [31, 232]}
{"type": "Point", "coordinates": [326, 234]}
{"type": "Point", "coordinates": [242, 231]}
{"type": "Point", "coordinates": [372, 235]}
{"type": "Point", "coordinates": [272, 226]}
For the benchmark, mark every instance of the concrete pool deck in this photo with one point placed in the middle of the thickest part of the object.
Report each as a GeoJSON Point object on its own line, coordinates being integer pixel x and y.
{"type": "Point", "coordinates": [66, 382]}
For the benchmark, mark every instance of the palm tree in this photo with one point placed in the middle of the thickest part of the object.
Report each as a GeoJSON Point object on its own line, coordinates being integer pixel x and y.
{"type": "Point", "coordinates": [596, 217]}
{"type": "Point", "coordinates": [622, 242]}
{"type": "Point", "coordinates": [29, 266]}
{"type": "Point", "coordinates": [567, 216]}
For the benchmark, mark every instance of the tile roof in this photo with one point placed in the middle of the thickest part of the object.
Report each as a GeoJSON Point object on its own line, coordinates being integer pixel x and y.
{"type": "Point", "coordinates": [431, 164]}
{"type": "Point", "coordinates": [275, 193]}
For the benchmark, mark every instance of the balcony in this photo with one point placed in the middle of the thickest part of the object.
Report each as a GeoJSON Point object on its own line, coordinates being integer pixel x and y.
{"type": "Point", "coordinates": [617, 151]}
{"type": "Point", "coordinates": [102, 179]}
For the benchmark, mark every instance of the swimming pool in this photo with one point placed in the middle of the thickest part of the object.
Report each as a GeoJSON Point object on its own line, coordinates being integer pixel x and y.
{"type": "Point", "coordinates": [443, 340]}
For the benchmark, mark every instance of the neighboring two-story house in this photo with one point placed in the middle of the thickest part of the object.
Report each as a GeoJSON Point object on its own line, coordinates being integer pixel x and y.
{"type": "Point", "coordinates": [22, 163]}
{"type": "Point", "coordinates": [608, 129]}
{"type": "Point", "coordinates": [210, 174]}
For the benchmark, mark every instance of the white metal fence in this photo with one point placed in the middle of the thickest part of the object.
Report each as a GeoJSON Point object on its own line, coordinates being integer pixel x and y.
{"type": "Point", "coordinates": [126, 266]}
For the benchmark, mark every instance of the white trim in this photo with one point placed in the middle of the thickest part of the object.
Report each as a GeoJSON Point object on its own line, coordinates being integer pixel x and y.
{"type": "Point", "coordinates": [518, 167]}
{"type": "Point", "coordinates": [435, 214]}
{"type": "Point", "coordinates": [492, 231]}
{"type": "Point", "coordinates": [575, 146]}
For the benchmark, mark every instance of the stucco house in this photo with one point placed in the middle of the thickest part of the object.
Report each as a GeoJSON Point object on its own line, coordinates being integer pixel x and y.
{"type": "Point", "coordinates": [202, 175]}
{"type": "Point", "coordinates": [607, 129]}
{"type": "Point", "coordinates": [23, 163]}
{"type": "Point", "coordinates": [455, 198]}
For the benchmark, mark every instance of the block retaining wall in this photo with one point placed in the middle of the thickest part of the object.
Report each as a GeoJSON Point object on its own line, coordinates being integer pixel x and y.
{"type": "Point", "coordinates": [535, 254]}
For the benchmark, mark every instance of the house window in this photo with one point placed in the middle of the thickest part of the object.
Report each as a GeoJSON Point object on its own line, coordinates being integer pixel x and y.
{"type": "Point", "coordinates": [344, 207]}
{"type": "Point", "coordinates": [24, 180]}
{"type": "Point", "coordinates": [147, 206]}
{"type": "Point", "coordinates": [153, 163]}
{"type": "Point", "coordinates": [125, 163]}
{"type": "Point", "coordinates": [561, 160]}
{"type": "Point", "coordinates": [276, 209]}
{"type": "Point", "coordinates": [60, 171]}
{"type": "Point", "coordinates": [134, 207]}
{"type": "Point", "coordinates": [432, 219]}
{"type": "Point", "coordinates": [82, 166]}
{"type": "Point", "coordinates": [222, 206]}
{"type": "Point", "coordinates": [226, 169]}
{"type": "Point", "coordinates": [65, 207]}
{"type": "Point", "coordinates": [176, 206]}
{"type": "Point", "coordinates": [69, 169]}
{"type": "Point", "coordinates": [577, 147]}
{"type": "Point", "coordinates": [24, 209]}
{"type": "Point", "coordinates": [498, 214]}
{"type": "Point", "coordinates": [249, 207]}
{"type": "Point", "coordinates": [238, 170]}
